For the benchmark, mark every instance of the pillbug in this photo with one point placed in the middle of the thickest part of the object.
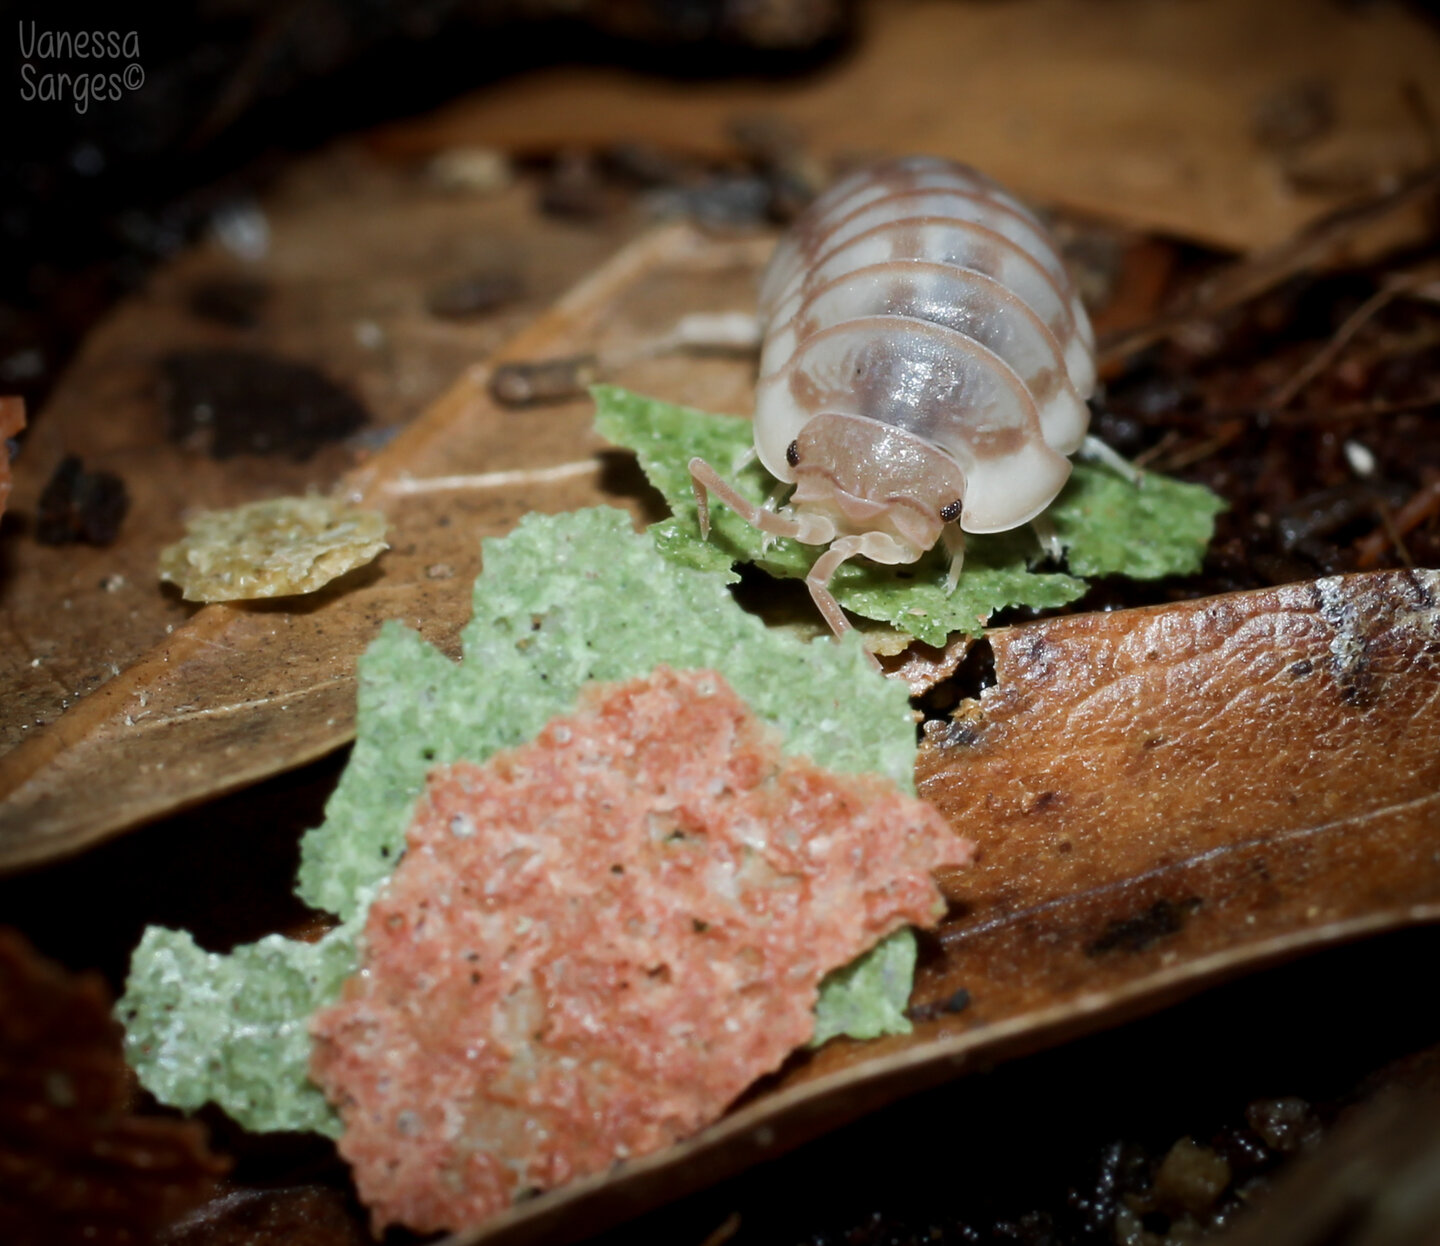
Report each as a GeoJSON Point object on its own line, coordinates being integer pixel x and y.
{"type": "Point", "coordinates": [924, 371]}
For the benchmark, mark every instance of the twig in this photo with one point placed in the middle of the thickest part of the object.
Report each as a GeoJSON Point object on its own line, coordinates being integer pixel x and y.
{"type": "Point", "coordinates": [1388, 525]}
{"type": "Point", "coordinates": [408, 485]}
{"type": "Point", "coordinates": [1284, 393]}
{"type": "Point", "coordinates": [1248, 278]}
{"type": "Point", "coordinates": [1148, 457]}
{"type": "Point", "coordinates": [1185, 456]}
{"type": "Point", "coordinates": [1347, 412]}
{"type": "Point", "coordinates": [1391, 288]}
{"type": "Point", "coordinates": [1424, 505]}
{"type": "Point", "coordinates": [724, 1231]}
{"type": "Point", "coordinates": [1357, 411]}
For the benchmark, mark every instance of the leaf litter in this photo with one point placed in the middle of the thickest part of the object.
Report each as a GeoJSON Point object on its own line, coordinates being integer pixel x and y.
{"type": "Point", "coordinates": [78, 1163]}
{"type": "Point", "coordinates": [12, 420]}
{"type": "Point", "coordinates": [563, 601]}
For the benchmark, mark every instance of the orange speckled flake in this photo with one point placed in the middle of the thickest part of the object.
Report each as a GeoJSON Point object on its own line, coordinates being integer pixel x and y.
{"type": "Point", "coordinates": [596, 941]}
{"type": "Point", "coordinates": [12, 420]}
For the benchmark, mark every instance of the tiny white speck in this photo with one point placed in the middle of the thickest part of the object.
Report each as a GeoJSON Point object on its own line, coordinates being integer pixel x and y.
{"type": "Point", "coordinates": [1360, 457]}
{"type": "Point", "coordinates": [242, 228]}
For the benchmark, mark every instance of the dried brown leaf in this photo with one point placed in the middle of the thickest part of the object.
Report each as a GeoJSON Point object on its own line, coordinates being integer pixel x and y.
{"type": "Point", "coordinates": [1138, 114]}
{"type": "Point", "coordinates": [299, 1215]}
{"type": "Point", "coordinates": [243, 691]}
{"type": "Point", "coordinates": [1192, 784]}
{"type": "Point", "coordinates": [76, 1166]}
{"type": "Point", "coordinates": [353, 246]}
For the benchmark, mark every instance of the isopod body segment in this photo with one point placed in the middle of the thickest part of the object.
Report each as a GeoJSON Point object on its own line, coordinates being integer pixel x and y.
{"type": "Point", "coordinates": [924, 370]}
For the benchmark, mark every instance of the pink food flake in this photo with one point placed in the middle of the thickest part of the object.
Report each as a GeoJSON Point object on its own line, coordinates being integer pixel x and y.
{"type": "Point", "coordinates": [596, 941]}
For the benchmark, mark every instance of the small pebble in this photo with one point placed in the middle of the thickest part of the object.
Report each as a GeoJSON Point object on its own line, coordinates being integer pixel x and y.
{"type": "Point", "coordinates": [476, 170]}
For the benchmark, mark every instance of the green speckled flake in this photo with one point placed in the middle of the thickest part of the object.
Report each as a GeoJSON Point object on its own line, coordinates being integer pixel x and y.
{"type": "Point", "coordinates": [1107, 526]}
{"type": "Point", "coordinates": [868, 997]}
{"type": "Point", "coordinates": [201, 1026]}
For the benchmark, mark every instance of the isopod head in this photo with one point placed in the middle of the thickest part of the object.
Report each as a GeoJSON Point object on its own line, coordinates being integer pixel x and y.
{"type": "Point", "coordinates": [876, 482]}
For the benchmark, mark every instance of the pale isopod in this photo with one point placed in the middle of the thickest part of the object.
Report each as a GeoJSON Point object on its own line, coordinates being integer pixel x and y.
{"type": "Point", "coordinates": [924, 371]}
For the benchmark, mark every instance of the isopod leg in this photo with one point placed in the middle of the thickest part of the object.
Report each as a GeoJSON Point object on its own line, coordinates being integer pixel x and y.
{"type": "Point", "coordinates": [701, 474]}
{"type": "Point", "coordinates": [773, 501]}
{"type": "Point", "coordinates": [818, 582]}
{"type": "Point", "coordinates": [807, 529]}
{"type": "Point", "coordinates": [1096, 451]}
{"type": "Point", "coordinates": [1044, 528]}
{"type": "Point", "coordinates": [954, 540]}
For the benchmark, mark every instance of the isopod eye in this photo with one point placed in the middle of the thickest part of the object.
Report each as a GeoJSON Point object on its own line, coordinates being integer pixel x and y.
{"type": "Point", "coordinates": [792, 454]}
{"type": "Point", "coordinates": [951, 511]}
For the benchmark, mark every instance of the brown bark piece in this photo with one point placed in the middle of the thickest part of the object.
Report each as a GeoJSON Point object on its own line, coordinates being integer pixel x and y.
{"type": "Point", "coordinates": [12, 420]}
{"type": "Point", "coordinates": [76, 1166]}
{"type": "Point", "coordinates": [1149, 115]}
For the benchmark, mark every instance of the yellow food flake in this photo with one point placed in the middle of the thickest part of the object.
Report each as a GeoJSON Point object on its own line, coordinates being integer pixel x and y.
{"type": "Point", "coordinates": [275, 548]}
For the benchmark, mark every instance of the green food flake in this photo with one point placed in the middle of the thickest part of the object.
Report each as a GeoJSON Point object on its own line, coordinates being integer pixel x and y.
{"type": "Point", "coordinates": [867, 997]}
{"type": "Point", "coordinates": [202, 1026]}
{"type": "Point", "coordinates": [1107, 525]}
{"type": "Point", "coordinates": [562, 600]}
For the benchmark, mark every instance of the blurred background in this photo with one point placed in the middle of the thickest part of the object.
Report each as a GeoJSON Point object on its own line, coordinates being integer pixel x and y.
{"type": "Point", "coordinates": [337, 207]}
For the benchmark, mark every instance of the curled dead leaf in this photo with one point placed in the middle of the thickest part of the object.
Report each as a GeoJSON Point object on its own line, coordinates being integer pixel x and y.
{"type": "Point", "coordinates": [76, 1165]}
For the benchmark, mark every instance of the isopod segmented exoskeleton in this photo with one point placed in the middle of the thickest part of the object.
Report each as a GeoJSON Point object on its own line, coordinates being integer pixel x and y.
{"type": "Point", "coordinates": [924, 371]}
